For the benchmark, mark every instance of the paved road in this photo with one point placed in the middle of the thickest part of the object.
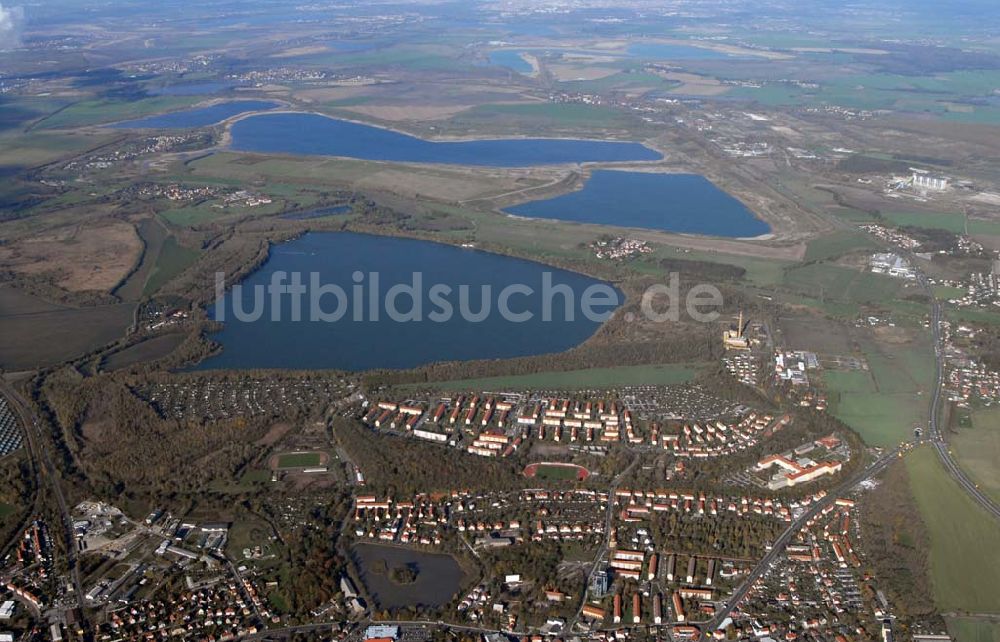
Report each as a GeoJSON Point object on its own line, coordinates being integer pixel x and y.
{"type": "Point", "coordinates": [35, 439]}
{"type": "Point", "coordinates": [940, 446]}
{"type": "Point", "coordinates": [29, 445]}
{"type": "Point", "coordinates": [608, 520]}
{"type": "Point", "coordinates": [357, 626]}
{"type": "Point", "coordinates": [934, 429]}
{"type": "Point", "coordinates": [779, 545]}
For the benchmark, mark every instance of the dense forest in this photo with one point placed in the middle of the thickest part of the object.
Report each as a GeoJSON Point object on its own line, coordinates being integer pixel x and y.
{"type": "Point", "coordinates": [403, 467]}
{"type": "Point", "coordinates": [896, 545]}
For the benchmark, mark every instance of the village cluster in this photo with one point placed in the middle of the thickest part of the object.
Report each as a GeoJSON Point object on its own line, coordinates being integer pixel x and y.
{"type": "Point", "coordinates": [642, 581]}
{"type": "Point", "coordinates": [263, 77]}
{"type": "Point", "coordinates": [744, 366]}
{"type": "Point", "coordinates": [485, 519]}
{"type": "Point", "coordinates": [498, 425]}
{"type": "Point", "coordinates": [967, 378]}
{"type": "Point", "coordinates": [29, 579]}
{"type": "Point", "coordinates": [982, 290]}
{"type": "Point", "coordinates": [132, 150]}
{"type": "Point", "coordinates": [199, 398]}
{"type": "Point", "coordinates": [817, 587]}
{"type": "Point", "coordinates": [225, 197]}
{"type": "Point", "coordinates": [891, 236]}
{"type": "Point", "coordinates": [219, 610]}
{"type": "Point", "coordinates": [619, 248]}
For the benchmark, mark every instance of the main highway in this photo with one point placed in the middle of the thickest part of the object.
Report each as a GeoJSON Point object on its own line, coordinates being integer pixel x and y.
{"type": "Point", "coordinates": [934, 430]}
{"type": "Point", "coordinates": [936, 438]}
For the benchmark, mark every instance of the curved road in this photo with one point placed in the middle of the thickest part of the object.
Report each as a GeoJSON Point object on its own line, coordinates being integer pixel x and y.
{"type": "Point", "coordinates": [936, 436]}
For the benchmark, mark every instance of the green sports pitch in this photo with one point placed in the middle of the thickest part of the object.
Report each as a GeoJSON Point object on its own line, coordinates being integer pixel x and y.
{"type": "Point", "coordinates": [300, 460]}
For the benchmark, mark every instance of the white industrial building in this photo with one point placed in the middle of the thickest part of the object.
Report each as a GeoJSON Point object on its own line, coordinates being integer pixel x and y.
{"type": "Point", "coordinates": [891, 264]}
{"type": "Point", "coordinates": [924, 180]}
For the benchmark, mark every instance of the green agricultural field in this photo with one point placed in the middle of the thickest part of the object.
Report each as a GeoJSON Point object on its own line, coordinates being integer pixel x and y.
{"type": "Point", "coordinates": [255, 475]}
{"type": "Point", "coordinates": [978, 450]}
{"type": "Point", "coordinates": [906, 313]}
{"type": "Point", "coordinates": [835, 309]}
{"type": "Point", "coordinates": [964, 566]}
{"type": "Point", "coordinates": [936, 94]}
{"type": "Point", "coordinates": [412, 57]}
{"type": "Point", "coordinates": [966, 629]}
{"type": "Point", "coordinates": [666, 374]}
{"type": "Point", "coordinates": [950, 222]}
{"type": "Point", "coordinates": [984, 316]}
{"type": "Point", "coordinates": [172, 260]}
{"type": "Point", "coordinates": [762, 272]}
{"type": "Point", "coordinates": [881, 419]}
{"type": "Point", "coordinates": [947, 293]}
{"type": "Point", "coordinates": [850, 214]}
{"type": "Point", "coordinates": [95, 112]}
{"type": "Point", "coordinates": [561, 115]}
{"type": "Point", "coordinates": [153, 235]}
{"type": "Point", "coordinates": [841, 283]}
{"type": "Point", "coordinates": [195, 215]}
{"type": "Point", "coordinates": [907, 368]}
{"type": "Point", "coordinates": [539, 239]}
{"type": "Point", "coordinates": [770, 95]}
{"type": "Point", "coordinates": [886, 403]}
{"type": "Point", "coordinates": [20, 111]}
{"type": "Point", "coordinates": [837, 244]}
{"type": "Point", "coordinates": [976, 114]}
{"type": "Point", "coordinates": [144, 351]}
{"type": "Point", "coordinates": [849, 381]}
{"type": "Point", "coordinates": [300, 460]}
{"type": "Point", "coordinates": [36, 148]}
{"type": "Point", "coordinates": [619, 81]}
{"type": "Point", "coordinates": [68, 331]}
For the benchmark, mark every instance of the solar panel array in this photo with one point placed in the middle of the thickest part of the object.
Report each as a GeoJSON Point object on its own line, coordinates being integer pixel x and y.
{"type": "Point", "coordinates": [10, 433]}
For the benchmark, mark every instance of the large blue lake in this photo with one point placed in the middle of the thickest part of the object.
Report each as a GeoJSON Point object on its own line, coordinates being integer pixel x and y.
{"type": "Point", "coordinates": [511, 60]}
{"type": "Point", "coordinates": [362, 339]}
{"type": "Point", "coordinates": [299, 133]}
{"type": "Point", "coordinates": [197, 117]}
{"type": "Point", "coordinates": [684, 203]}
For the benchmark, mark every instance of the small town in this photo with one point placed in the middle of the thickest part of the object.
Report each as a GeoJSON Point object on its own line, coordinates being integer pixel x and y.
{"type": "Point", "coordinates": [499, 321]}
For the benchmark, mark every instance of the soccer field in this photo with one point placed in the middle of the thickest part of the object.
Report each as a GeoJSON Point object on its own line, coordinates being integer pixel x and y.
{"type": "Point", "coordinates": [300, 460]}
{"type": "Point", "coordinates": [557, 472]}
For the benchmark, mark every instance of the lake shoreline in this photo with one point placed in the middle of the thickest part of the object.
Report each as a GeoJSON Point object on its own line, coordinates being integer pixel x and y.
{"type": "Point", "coordinates": [296, 133]}
{"type": "Point", "coordinates": [428, 341]}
